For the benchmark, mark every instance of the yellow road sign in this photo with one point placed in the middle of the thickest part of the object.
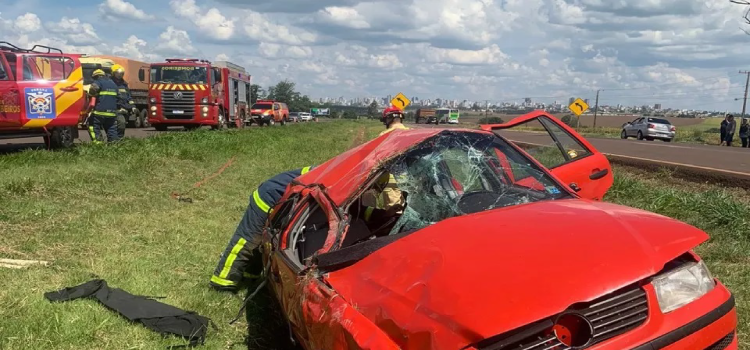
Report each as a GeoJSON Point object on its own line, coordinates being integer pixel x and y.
{"type": "Point", "coordinates": [400, 101]}
{"type": "Point", "coordinates": [578, 107]}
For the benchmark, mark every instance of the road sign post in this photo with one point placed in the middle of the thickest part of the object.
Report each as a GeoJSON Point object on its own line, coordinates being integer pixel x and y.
{"type": "Point", "coordinates": [400, 101]}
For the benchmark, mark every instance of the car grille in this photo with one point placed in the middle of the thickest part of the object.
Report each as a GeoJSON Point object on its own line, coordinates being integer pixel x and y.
{"type": "Point", "coordinates": [610, 316]}
{"type": "Point", "coordinates": [186, 104]}
{"type": "Point", "coordinates": [723, 343]}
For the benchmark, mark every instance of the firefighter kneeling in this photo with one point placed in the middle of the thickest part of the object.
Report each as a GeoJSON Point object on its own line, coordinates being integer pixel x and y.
{"type": "Point", "coordinates": [102, 108]}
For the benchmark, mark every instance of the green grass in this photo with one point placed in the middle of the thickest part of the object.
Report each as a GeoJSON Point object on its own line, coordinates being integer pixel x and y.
{"type": "Point", "coordinates": [106, 212]}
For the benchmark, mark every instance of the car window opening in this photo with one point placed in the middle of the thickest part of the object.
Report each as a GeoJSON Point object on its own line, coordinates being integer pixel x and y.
{"type": "Point", "coordinates": [451, 174]}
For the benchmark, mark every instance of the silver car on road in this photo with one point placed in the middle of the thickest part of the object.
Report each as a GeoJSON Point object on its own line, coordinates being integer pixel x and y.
{"type": "Point", "coordinates": [649, 128]}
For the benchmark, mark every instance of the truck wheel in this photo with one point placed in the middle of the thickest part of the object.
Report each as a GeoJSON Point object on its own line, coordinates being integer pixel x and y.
{"type": "Point", "coordinates": [222, 122]}
{"type": "Point", "coordinates": [144, 119]}
{"type": "Point", "coordinates": [283, 121]}
{"type": "Point", "coordinates": [160, 127]}
{"type": "Point", "coordinates": [60, 137]}
{"type": "Point", "coordinates": [271, 122]}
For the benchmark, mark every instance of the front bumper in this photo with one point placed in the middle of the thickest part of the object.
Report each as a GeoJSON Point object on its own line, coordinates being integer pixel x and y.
{"type": "Point", "coordinates": [698, 325]}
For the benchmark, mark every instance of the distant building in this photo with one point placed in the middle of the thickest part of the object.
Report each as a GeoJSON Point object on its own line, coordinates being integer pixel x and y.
{"type": "Point", "coordinates": [571, 100]}
{"type": "Point", "coordinates": [587, 101]}
{"type": "Point", "coordinates": [657, 106]}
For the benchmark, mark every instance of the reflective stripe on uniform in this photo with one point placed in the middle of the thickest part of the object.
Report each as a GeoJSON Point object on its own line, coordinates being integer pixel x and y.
{"type": "Point", "coordinates": [230, 259]}
{"type": "Point", "coordinates": [368, 213]}
{"type": "Point", "coordinates": [108, 93]}
{"type": "Point", "coordinates": [91, 133]}
{"type": "Point", "coordinates": [123, 90]}
{"type": "Point", "coordinates": [260, 203]}
{"type": "Point", "coordinates": [222, 281]}
{"type": "Point", "coordinates": [105, 114]}
{"type": "Point", "coordinates": [131, 102]}
{"type": "Point", "coordinates": [305, 169]}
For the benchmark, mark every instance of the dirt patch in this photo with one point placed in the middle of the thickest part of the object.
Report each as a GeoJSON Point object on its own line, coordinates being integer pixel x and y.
{"type": "Point", "coordinates": [359, 138]}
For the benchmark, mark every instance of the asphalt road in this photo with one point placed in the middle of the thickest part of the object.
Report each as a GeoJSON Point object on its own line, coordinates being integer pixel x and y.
{"type": "Point", "coordinates": [709, 158]}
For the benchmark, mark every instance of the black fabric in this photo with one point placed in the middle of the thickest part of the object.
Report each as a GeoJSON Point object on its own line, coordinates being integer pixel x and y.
{"type": "Point", "coordinates": [154, 315]}
{"type": "Point", "coordinates": [345, 257]}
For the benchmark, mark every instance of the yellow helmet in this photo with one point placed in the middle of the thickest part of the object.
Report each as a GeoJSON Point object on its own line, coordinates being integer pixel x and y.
{"type": "Point", "coordinates": [118, 70]}
{"type": "Point", "coordinates": [98, 73]}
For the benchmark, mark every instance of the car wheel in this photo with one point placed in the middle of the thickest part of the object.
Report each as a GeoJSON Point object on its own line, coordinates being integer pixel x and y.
{"type": "Point", "coordinates": [283, 121]}
{"type": "Point", "coordinates": [61, 137]}
{"type": "Point", "coordinates": [271, 122]}
{"type": "Point", "coordinates": [640, 135]}
{"type": "Point", "coordinates": [623, 135]}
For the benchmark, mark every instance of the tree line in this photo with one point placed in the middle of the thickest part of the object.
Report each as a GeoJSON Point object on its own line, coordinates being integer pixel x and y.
{"type": "Point", "coordinates": [286, 91]}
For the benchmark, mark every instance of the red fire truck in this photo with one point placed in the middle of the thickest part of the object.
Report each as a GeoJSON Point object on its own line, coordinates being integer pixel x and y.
{"type": "Point", "coordinates": [195, 92]}
{"type": "Point", "coordinates": [41, 94]}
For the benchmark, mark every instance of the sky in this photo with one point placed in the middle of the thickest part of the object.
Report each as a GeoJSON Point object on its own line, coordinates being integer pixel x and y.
{"type": "Point", "coordinates": [680, 53]}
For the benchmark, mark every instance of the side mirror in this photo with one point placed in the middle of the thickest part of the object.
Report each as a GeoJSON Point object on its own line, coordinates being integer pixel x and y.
{"type": "Point", "coordinates": [574, 187]}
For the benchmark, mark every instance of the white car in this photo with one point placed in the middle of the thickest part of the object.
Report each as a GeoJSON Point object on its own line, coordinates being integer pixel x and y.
{"type": "Point", "coordinates": [305, 116]}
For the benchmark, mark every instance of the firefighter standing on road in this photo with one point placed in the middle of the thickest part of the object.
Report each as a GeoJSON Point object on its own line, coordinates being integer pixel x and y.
{"type": "Point", "coordinates": [125, 103]}
{"type": "Point", "coordinates": [393, 118]}
{"type": "Point", "coordinates": [235, 260]}
{"type": "Point", "coordinates": [103, 108]}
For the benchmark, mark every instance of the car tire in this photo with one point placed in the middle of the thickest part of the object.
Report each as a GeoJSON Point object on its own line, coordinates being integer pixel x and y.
{"type": "Point", "coordinates": [271, 122]}
{"type": "Point", "coordinates": [283, 121]}
{"type": "Point", "coordinates": [60, 138]}
{"type": "Point", "coordinates": [623, 135]}
{"type": "Point", "coordinates": [640, 135]}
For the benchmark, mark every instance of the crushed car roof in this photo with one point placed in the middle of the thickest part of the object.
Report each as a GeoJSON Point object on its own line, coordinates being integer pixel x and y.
{"type": "Point", "coordinates": [347, 172]}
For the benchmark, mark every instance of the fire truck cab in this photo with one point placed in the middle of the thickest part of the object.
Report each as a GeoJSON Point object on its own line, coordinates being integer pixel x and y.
{"type": "Point", "coordinates": [41, 94]}
{"type": "Point", "coordinates": [194, 92]}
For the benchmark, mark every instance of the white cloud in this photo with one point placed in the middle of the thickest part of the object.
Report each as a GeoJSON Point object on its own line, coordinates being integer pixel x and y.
{"type": "Point", "coordinates": [271, 50]}
{"type": "Point", "coordinates": [258, 27]}
{"type": "Point", "coordinates": [134, 48]}
{"type": "Point", "coordinates": [486, 56]}
{"type": "Point", "coordinates": [123, 9]}
{"type": "Point", "coordinates": [174, 41]}
{"type": "Point", "coordinates": [210, 22]}
{"type": "Point", "coordinates": [221, 57]}
{"type": "Point", "coordinates": [75, 31]}
{"type": "Point", "coordinates": [27, 23]}
{"type": "Point", "coordinates": [343, 16]}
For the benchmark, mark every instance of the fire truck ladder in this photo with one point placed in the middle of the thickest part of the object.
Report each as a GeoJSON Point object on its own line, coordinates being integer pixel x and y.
{"type": "Point", "coordinates": [10, 47]}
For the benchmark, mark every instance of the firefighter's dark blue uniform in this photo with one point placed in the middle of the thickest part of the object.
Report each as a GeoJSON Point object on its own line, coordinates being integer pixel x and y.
{"type": "Point", "coordinates": [124, 102]}
{"type": "Point", "coordinates": [234, 260]}
{"type": "Point", "coordinates": [104, 115]}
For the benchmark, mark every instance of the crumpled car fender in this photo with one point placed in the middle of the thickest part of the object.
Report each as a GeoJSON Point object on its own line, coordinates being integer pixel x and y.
{"type": "Point", "coordinates": [334, 324]}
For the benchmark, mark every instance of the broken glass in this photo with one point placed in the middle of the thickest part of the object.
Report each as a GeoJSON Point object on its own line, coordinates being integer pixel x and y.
{"type": "Point", "coordinates": [458, 173]}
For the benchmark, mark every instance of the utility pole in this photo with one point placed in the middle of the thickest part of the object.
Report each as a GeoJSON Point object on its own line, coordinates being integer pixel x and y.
{"type": "Point", "coordinates": [596, 107]}
{"type": "Point", "coordinates": [747, 82]}
{"type": "Point", "coordinates": [486, 107]}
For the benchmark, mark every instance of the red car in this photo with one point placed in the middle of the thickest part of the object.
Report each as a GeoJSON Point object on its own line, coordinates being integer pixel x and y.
{"type": "Point", "coordinates": [496, 248]}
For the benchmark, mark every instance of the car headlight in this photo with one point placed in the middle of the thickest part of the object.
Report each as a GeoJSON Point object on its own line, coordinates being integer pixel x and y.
{"type": "Point", "coordinates": [153, 108]}
{"type": "Point", "coordinates": [152, 100]}
{"type": "Point", "coordinates": [205, 109]}
{"type": "Point", "coordinates": [204, 100]}
{"type": "Point", "coordinates": [681, 286]}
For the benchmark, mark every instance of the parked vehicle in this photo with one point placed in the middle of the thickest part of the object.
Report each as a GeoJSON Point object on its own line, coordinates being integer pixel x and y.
{"type": "Point", "coordinates": [494, 249]}
{"type": "Point", "coordinates": [294, 117]}
{"type": "Point", "coordinates": [193, 92]}
{"type": "Point", "coordinates": [649, 128]}
{"type": "Point", "coordinates": [41, 94]}
{"type": "Point", "coordinates": [136, 75]}
{"type": "Point", "coordinates": [427, 115]}
{"type": "Point", "coordinates": [447, 115]}
{"type": "Point", "coordinates": [305, 116]}
{"type": "Point", "coordinates": [269, 112]}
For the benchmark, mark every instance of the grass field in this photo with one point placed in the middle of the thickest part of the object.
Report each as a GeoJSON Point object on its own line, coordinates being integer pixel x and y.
{"type": "Point", "coordinates": [106, 212]}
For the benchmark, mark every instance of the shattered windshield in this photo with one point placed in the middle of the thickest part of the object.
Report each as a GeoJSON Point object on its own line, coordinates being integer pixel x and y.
{"type": "Point", "coordinates": [458, 173]}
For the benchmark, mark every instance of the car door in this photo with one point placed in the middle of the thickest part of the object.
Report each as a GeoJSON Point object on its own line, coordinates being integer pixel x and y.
{"type": "Point", "coordinates": [10, 97]}
{"type": "Point", "coordinates": [629, 127]}
{"type": "Point", "coordinates": [567, 155]}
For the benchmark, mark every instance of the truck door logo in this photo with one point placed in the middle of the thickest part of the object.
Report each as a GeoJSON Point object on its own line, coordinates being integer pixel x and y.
{"type": "Point", "coordinates": [40, 103]}
{"type": "Point", "coordinates": [178, 95]}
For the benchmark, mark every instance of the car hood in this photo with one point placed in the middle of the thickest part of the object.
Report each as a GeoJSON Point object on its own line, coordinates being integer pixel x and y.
{"type": "Point", "coordinates": [468, 278]}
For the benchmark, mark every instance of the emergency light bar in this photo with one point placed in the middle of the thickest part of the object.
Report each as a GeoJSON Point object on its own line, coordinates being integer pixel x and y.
{"type": "Point", "coordinates": [187, 60]}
